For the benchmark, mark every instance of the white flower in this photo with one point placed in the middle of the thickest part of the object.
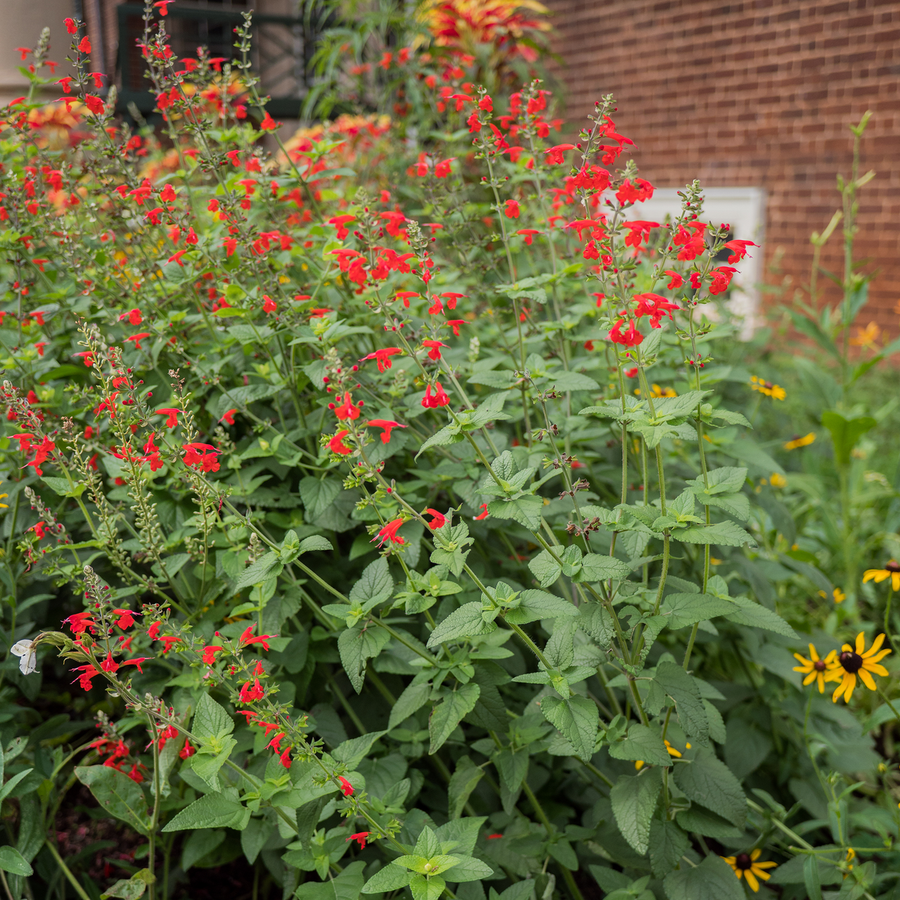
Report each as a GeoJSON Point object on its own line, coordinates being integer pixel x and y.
{"type": "Point", "coordinates": [27, 656]}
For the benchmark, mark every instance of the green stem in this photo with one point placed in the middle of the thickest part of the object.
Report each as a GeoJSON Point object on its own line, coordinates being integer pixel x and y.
{"type": "Point", "coordinates": [66, 871]}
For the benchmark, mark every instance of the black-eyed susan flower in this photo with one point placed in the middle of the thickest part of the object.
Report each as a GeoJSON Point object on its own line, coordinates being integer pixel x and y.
{"type": "Point", "coordinates": [891, 570]}
{"type": "Point", "coordinates": [747, 864]}
{"type": "Point", "coordinates": [673, 751]}
{"type": "Point", "coordinates": [775, 391]}
{"type": "Point", "coordinates": [778, 481]}
{"type": "Point", "coordinates": [796, 442]}
{"type": "Point", "coordinates": [837, 595]}
{"type": "Point", "coordinates": [816, 669]}
{"type": "Point", "coordinates": [857, 661]}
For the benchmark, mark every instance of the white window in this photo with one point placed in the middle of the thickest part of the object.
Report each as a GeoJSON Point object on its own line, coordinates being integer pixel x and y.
{"type": "Point", "coordinates": [743, 208]}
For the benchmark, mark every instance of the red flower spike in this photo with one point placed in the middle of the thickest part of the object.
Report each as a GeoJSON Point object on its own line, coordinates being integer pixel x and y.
{"type": "Point", "coordinates": [209, 653]}
{"type": "Point", "coordinates": [631, 338]}
{"type": "Point", "coordinates": [247, 639]}
{"type": "Point", "coordinates": [346, 787]}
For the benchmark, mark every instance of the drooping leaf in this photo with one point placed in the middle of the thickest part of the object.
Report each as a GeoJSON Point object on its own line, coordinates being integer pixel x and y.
{"type": "Point", "coordinates": [634, 800]}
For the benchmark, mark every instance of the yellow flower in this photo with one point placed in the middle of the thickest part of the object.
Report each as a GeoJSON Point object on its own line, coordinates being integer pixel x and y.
{"type": "Point", "coordinates": [778, 481]}
{"type": "Point", "coordinates": [838, 595]}
{"type": "Point", "coordinates": [639, 764]}
{"type": "Point", "coordinates": [866, 337]}
{"type": "Point", "coordinates": [891, 570]}
{"type": "Point", "coordinates": [857, 661]}
{"type": "Point", "coordinates": [4, 505]}
{"type": "Point", "coordinates": [776, 392]}
{"type": "Point", "coordinates": [797, 442]}
{"type": "Point", "coordinates": [816, 669]}
{"type": "Point", "coordinates": [746, 864]}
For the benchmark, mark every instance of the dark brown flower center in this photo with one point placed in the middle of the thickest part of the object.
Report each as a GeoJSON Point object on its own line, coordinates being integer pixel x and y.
{"type": "Point", "coordinates": [852, 662]}
{"type": "Point", "coordinates": [769, 385]}
{"type": "Point", "coordinates": [819, 665]}
{"type": "Point", "coordinates": [743, 861]}
{"type": "Point", "coordinates": [892, 566]}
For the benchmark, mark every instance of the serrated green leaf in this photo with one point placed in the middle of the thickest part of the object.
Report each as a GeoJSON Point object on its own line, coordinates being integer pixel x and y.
{"type": "Point", "coordinates": [634, 800]}
{"type": "Point", "coordinates": [725, 534]}
{"type": "Point", "coordinates": [356, 646]}
{"type": "Point", "coordinates": [117, 794]}
{"type": "Point", "coordinates": [318, 494]}
{"type": "Point", "coordinates": [682, 610]}
{"type": "Point", "coordinates": [468, 868]}
{"type": "Point", "coordinates": [756, 616]}
{"type": "Point", "coordinates": [209, 811]}
{"type": "Point", "coordinates": [463, 781]}
{"type": "Point", "coordinates": [576, 719]}
{"type": "Point", "coordinates": [595, 567]}
{"type": "Point", "coordinates": [211, 720]}
{"type": "Point", "coordinates": [706, 780]}
{"type": "Point", "coordinates": [667, 845]}
{"type": "Point", "coordinates": [449, 713]}
{"type": "Point", "coordinates": [463, 623]}
{"type": "Point", "coordinates": [258, 572]}
{"type": "Point", "coordinates": [641, 743]}
{"type": "Point", "coordinates": [545, 568]}
{"type": "Point", "coordinates": [535, 605]}
{"type": "Point", "coordinates": [713, 879]}
{"type": "Point", "coordinates": [375, 583]}
{"type": "Point", "coordinates": [390, 878]}
{"type": "Point", "coordinates": [683, 690]}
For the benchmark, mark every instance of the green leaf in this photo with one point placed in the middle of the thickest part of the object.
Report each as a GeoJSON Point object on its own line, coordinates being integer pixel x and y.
{"type": "Point", "coordinates": [356, 646]}
{"type": "Point", "coordinates": [576, 719]}
{"type": "Point", "coordinates": [315, 542]}
{"type": "Point", "coordinates": [512, 766]}
{"type": "Point", "coordinates": [454, 550]}
{"type": "Point", "coordinates": [209, 811]}
{"type": "Point", "coordinates": [573, 381]}
{"type": "Point", "coordinates": [633, 803]}
{"type": "Point", "coordinates": [351, 753]}
{"type": "Point", "coordinates": [845, 433]}
{"type": "Point", "coordinates": [545, 568]}
{"type": "Point", "coordinates": [700, 821]}
{"type": "Point", "coordinates": [465, 622]}
{"type": "Point", "coordinates": [525, 510]}
{"type": "Point", "coordinates": [687, 609]}
{"type": "Point", "coordinates": [811, 879]}
{"type": "Point", "coordinates": [426, 888]}
{"type": "Point", "coordinates": [117, 794]}
{"type": "Point", "coordinates": [535, 605]}
{"type": "Point", "coordinates": [318, 494]}
{"type": "Point", "coordinates": [211, 720]}
{"type": "Point", "coordinates": [462, 782]}
{"type": "Point", "coordinates": [667, 845]}
{"type": "Point", "coordinates": [128, 889]}
{"type": "Point", "coordinates": [414, 697]}
{"type": "Point", "coordinates": [375, 583]}
{"type": "Point", "coordinates": [683, 690]}
{"type": "Point", "coordinates": [641, 743]}
{"type": "Point", "coordinates": [390, 878]}
{"type": "Point", "coordinates": [595, 567]}
{"type": "Point", "coordinates": [449, 712]}
{"type": "Point", "coordinates": [756, 616]}
{"type": "Point", "coordinates": [708, 781]}
{"type": "Point", "coordinates": [468, 868]}
{"type": "Point", "coordinates": [725, 480]}
{"type": "Point", "coordinates": [13, 862]}
{"type": "Point", "coordinates": [713, 879]}
{"type": "Point", "coordinates": [725, 534]}
{"type": "Point", "coordinates": [257, 572]}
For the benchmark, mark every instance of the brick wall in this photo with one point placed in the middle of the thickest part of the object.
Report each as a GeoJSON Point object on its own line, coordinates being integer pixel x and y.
{"type": "Point", "coordinates": [754, 93]}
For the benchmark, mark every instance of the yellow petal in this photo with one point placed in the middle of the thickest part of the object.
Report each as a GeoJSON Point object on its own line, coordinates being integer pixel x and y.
{"type": "Point", "coordinates": [876, 645]}
{"type": "Point", "coordinates": [867, 679]}
{"type": "Point", "coordinates": [812, 653]}
{"type": "Point", "coordinates": [895, 581]}
{"type": "Point", "coordinates": [810, 678]}
{"type": "Point", "coordinates": [879, 656]}
{"type": "Point", "coordinates": [761, 873]}
{"type": "Point", "coordinates": [755, 854]}
{"type": "Point", "coordinates": [848, 690]}
{"type": "Point", "coordinates": [751, 880]}
{"type": "Point", "coordinates": [731, 860]}
{"type": "Point", "coordinates": [765, 865]}
{"type": "Point", "coordinates": [860, 643]}
{"type": "Point", "coordinates": [878, 670]}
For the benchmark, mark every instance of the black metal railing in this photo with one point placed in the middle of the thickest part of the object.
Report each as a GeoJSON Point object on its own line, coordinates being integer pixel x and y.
{"type": "Point", "coordinates": [282, 49]}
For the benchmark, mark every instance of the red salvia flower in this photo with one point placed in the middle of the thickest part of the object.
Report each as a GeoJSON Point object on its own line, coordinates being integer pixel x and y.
{"type": "Point", "coordinates": [383, 356]}
{"type": "Point", "coordinates": [438, 399]}
{"type": "Point", "coordinates": [172, 420]}
{"type": "Point", "coordinates": [84, 45]}
{"type": "Point", "coordinates": [346, 787]}
{"type": "Point", "coordinates": [631, 338]}
{"type": "Point", "coordinates": [209, 653]}
{"type": "Point", "coordinates": [247, 639]}
{"type": "Point", "coordinates": [228, 416]}
{"type": "Point", "coordinates": [387, 425]}
{"type": "Point", "coordinates": [389, 533]}
{"type": "Point", "coordinates": [484, 512]}
{"type": "Point", "coordinates": [336, 445]}
{"type": "Point", "coordinates": [137, 338]}
{"type": "Point", "coordinates": [346, 410]}
{"type": "Point", "coordinates": [438, 519]}
{"type": "Point", "coordinates": [676, 280]}
{"type": "Point", "coordinates": [434, 351]}
{"type": "Point", "coordinates": [512, 209]}
{"type": "Point", "coordinates": [360, 838]}
{"type": "Point", "coordinates": [124, 617]}
{"type": "Point", "coordinates": [528, 234]}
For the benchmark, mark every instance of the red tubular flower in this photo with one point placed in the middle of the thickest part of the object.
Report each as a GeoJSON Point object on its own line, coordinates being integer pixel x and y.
{"type": "Point", "coordinates": [631, 338]}
{"type": "Point", "coordinates": [71, 27]}
{"type": "Point", "coordinates": [346, 410]}
{"type": "Point", "coordinates": [512, 209]}
{"type": "Point", "coordinates": [739, 248]}
{"type": "Point", "coordinates": [228, 417]}
{"type": "Point", "coordinates": [84, 45]}
{"type": "Point", "coordinates": [434, 351]}
{"type": "Point", "coordinates": [721, 279]}
{"type": "Point", "coordinates": [172, 420]}
{"type": "Point", "coordinates": [387, 425]}
{"type": "Point", "coordinates": [153, 631]}
{"type": "Point", "coordinates": [451, 297]}
{"type": "Point", "coordinates": [389, 533]}
{"type": "Point", "coordinates": [252, 692]}
{"type": "Point", "coordinates": [340, 223]}
{"type": "Point", "coordinates": [134, 317]}
{"type": "Point", "coordinates": [169, 640]}
{"type": "Point", "coordinates": [336, 445]}
{"type": "Point", "coordinates": [136, 662]}
{"type": "Point", "coordinates": [286, 757]}
{"type": "Point", "coordinates": [360, 838]}
{"type": "Point", "coordinates": [528, 234]}
{"type": "Point", "coordinates": [247, 639]}
{"type": "Point", "coordinates": [654, 306]}
{"type": "Point", "coordinates": [270, 305]}
{"type": "Point", "coordinates": [439, 399]}
{"type": "Point", "coordinates": [187, 750]}
{"type": "Point", "coordinates": [484, 513]}
{"type": "Point", "coordinates": [383, 356]}
{"type": "Point", "coordinates": [454, 324]}
{"type": "Point", "coordinates": [555, 154]}
{"type": "Point", "coordinates": [438, 519]}
{"type": "Point", "coordinates": [634, 192]}
{"type": "Point", "coordinates": [346, 787]}
{"type": "Point", "coordinates": [209, 653]}
{"type": "Point", "coordinates": [80, 622]}
{"type": "Point", "coordinates": [638, 231]}
{"type": "Point", "coordinates": [676, 280]}
{"type": "Point", "coordinates": [137, 338]}
{"type": "Point", "coordinates": [124, 618]}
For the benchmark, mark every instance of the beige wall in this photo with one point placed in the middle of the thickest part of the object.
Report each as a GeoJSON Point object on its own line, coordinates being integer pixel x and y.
{"type": "Point", "coordinates": [22, 24]}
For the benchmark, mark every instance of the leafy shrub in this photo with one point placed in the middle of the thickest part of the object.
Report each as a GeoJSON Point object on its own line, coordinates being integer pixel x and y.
{"type": "Point", "coordinates": [387, 487]}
